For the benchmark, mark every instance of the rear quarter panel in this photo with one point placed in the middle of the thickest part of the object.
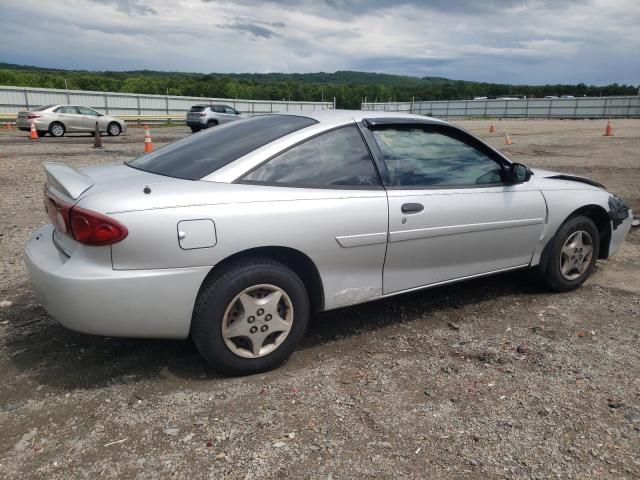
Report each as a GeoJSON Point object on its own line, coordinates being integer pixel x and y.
{"type": "Point", "coordinates": [307, 220]}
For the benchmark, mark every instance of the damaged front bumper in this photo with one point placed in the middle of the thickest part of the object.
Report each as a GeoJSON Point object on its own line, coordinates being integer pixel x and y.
{"type": "Point", "coordinates": [621, 220]}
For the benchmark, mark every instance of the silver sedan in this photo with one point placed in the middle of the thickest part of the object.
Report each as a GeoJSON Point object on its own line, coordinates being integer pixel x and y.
{"type": "Point", "coordinates": [237, 235]}
{"type": "Point", "coordinates": [56, 120]}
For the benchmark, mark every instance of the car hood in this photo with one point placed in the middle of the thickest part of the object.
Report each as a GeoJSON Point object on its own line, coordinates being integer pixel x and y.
{"type": "Point", "coordinates": [548, 177]}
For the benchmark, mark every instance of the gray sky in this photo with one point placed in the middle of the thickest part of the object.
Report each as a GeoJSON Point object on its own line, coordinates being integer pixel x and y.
{"type": "Point", "coordinates": [510, 41]}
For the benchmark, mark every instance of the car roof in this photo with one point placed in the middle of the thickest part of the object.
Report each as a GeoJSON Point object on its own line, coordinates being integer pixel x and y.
{"type": "Point", "coordinates": [348, 116]}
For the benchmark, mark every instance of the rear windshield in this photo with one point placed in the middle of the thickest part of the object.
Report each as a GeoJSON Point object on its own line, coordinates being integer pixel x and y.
{"type": "Point", "coordinates": [198, 155]}
{"type": "Point", "coordinates": [198, 108]}
{"type": "Point", "coordinates": [43, 107]}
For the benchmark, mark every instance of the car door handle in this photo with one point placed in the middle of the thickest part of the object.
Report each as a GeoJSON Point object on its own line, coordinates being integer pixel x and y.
{"type": "Point", "coordinates": [412, 208]}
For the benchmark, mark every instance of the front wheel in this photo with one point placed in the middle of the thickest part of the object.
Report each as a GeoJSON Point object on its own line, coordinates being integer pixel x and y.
{"type": "Point", "coordinates": [113, 129]}
{"type": "Point", "coordinates": [250, 317]}
{"type": "Point", "coordinates": [572, 255]}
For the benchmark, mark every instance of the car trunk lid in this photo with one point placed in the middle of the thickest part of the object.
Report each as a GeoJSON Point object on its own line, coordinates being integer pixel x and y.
{"type": "Point", "coordinates": [65, 186]}
{"type": "Point", "coordinates": [71, 184]}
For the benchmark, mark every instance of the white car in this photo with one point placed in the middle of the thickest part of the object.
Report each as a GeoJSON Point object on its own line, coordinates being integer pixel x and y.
{"type": "Point", "coordinates": [237, 234]}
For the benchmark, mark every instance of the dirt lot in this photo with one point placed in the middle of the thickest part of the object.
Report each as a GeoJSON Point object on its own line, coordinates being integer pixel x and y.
{"type": "Point", "coordinates": [493, 378]}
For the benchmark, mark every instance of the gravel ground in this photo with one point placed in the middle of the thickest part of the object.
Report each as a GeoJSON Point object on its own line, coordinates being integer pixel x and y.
{"type": "Point", "coordinates": [492, 378]}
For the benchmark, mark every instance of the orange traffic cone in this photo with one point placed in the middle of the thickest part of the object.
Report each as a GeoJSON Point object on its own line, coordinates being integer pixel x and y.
{"type": "Point", "coordinates": [492, 128]}
{"type": "Point", "coordinates": [33, 135]}
{"type": "Point", "coordinates": [7, 126]}
{"type": "Point", "coordinates": [609, 130]}
{"type": "Point", "coordinates": [148, 144]}
{"type": "Point", "coordinates": [507, 140]}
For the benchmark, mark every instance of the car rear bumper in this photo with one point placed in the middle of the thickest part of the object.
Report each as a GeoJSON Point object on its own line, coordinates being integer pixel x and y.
{"type": "Point", "coordinates": [25, 126]}
{"type": "Point", "coordinates": [196, 124]}
{"type": "Point", "coordinates": [92, 298]}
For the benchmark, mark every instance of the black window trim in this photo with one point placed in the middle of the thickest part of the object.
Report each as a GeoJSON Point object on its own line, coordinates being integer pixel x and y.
{"type": "Point", "coordinates": [378, 187]}
{"type": "Point", "coordinates": [367, 125]}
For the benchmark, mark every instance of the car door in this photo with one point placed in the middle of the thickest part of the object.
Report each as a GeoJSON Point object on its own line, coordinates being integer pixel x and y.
{"type": "Point", "coordinates": [88, 118]}
{"type": "Point", "coordinates": [68, 115]}
{"type": "Point", "coordinates": [332, 207]}
{"type": "Point", "coordinates": [451, 214]}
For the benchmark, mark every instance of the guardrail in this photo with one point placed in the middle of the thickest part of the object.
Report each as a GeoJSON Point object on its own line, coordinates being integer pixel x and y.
{"type": "Point", "coordinates": [139, 106]}
{"type": "Point", "coordinates": [578, 107]}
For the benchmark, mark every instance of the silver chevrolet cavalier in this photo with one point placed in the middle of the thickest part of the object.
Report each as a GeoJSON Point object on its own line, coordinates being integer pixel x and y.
{"type": "Point", "coordinates": [236, 235]}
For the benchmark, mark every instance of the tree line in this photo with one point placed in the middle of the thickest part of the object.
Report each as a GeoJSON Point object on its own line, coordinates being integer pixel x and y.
{"type": "Point", "coordinates": [349, 88]}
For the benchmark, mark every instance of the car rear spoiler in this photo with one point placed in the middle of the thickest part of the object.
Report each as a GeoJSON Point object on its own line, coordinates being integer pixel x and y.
{"type": "Point", "coordinates": [66, 179]}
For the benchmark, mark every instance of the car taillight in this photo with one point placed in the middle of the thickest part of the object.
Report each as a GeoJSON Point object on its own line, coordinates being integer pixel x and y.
{"type": "Point", "coordinates": [85, 226]}
{"type": "Point", "coordinates": [94, 228]}
{"type": "Point", "coordinates": [33, 116]}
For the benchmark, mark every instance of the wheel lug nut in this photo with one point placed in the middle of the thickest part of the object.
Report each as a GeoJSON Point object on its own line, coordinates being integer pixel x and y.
{"type": "Point", "coordinates": [264, 328]}
{"type": "Point", "coordinates": [260, 311]}
{"type": "Point", "coordinates": [251, 319]}
{"type": "Point", "coordinates": [268, 317]}
{"type": "Point", "coordinates": [575, 250]}
{"type": "Point", "coordinates": [253, 329]}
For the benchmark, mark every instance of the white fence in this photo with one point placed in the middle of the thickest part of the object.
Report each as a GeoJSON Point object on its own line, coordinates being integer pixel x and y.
{"type": "Point", "coordinates": [13, 99]}
{"type": "Point", "coordinates": [579, 107]}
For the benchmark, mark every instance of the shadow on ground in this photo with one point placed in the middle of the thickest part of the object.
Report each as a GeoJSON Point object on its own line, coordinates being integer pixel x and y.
{"type": "Point", "coordinates": [63, 360]}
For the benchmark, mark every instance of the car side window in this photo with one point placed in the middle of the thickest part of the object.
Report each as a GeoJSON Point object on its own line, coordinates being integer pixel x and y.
{"type": "Point", "coordinates": [218, 109]}
{"type": "Point", "coordinates": [432, 157]}
{"type": "Point", "coordinates": [87, 111]}
{"type": "Point", "coordinates": [336, 158]}
{"type": "Point", "coordinates": [230, 111]}
{"type": "Point", "coordinates": [67, 110]}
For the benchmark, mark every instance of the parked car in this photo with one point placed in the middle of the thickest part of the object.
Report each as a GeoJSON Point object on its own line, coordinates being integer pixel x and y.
{"type": "Point", "coordinates": [56, 120]}
{"type": "Point", "coordinates": [235, 236]}
{"type": "Point", "coordinates": [207, 116]}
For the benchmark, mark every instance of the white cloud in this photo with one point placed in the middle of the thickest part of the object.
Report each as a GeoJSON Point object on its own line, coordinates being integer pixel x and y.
{"type": "Point", "coordinates": [515, 41]}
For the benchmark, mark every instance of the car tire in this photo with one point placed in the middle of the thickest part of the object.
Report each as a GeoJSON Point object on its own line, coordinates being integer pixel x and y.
{"type": "Point", "coordinates": [212, 123]}
{"type": "Point", "coordinates": [57, 129]}
{"type": "Point", "coordinates": [194, 129]}
{"type": "Point", "coordinates": [220, 305]}
{"type": "Point", "coordinates": [114, 129]}
{"type": "Point", "coordinates": [572, 254]}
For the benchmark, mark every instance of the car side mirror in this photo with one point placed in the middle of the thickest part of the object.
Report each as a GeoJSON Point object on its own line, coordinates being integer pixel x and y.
{"type": "Point", "coordinates": [519, 173]}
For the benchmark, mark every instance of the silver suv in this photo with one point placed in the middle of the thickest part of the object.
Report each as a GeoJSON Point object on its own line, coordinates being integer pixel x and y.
{"type": "Point", "coordinates": [205, 116]}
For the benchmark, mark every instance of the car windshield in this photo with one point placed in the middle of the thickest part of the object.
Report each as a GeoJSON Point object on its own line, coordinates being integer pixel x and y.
{"type": "Point", "coordinates": [196, 156]}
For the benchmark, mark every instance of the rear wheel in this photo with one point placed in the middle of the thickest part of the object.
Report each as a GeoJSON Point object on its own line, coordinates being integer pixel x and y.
{"type": "Point", "coordinates": [113, 129]}
{"type": "Point", "coordinates": [56, 129]}
{"type": "Point", "coordinates": [212, 123]}
{"type": "Point", "coordinates": [572, 254]}
{"type": "Point", "coordinates": [250, 317]}
{"type": "Point", "coordinates": [194, 129]}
